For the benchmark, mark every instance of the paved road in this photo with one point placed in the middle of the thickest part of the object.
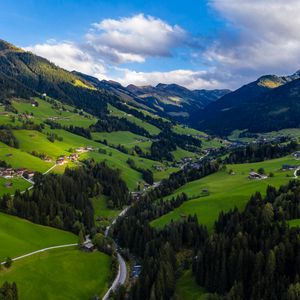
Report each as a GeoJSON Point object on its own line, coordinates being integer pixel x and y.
{"type": "Point", "coordinates": [122, 271]}
{"type": "Point", "coordinates": [41, 250]}
{"type": "Point", "coordinates": [296, 171]}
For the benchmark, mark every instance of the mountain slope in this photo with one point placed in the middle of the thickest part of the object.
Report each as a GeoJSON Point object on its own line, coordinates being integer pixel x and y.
{"type": "Point", "coordinates": [38, 74]}
{"type": "Point", "coordinates": [166, 100]}
{"type": "Point", "coordinates": [269, 103]}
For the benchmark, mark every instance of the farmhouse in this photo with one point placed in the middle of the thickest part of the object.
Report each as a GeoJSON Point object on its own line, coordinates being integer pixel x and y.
{"type": "Point", "coordinates": [73, 157]}
{"type": "Point", "coordinates": [61, 160]}
{"type": "Point", "coordinates": [254, 175]}
{"type": "Point", "coordinates": [286, 167]}
{"type": "Point", "coordinates": [297, 155]}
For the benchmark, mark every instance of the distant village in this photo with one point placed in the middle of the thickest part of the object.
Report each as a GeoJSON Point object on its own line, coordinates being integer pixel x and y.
{"type": "Point", "coordinates": [10, 173]}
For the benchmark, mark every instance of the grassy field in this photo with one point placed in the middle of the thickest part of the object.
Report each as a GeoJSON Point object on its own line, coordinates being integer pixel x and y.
{"type": "Point", "coordinates": [180, 153]}
{"type": "Point", "coordinates": [181, 129]}
{"type": "Point", "coordinates": [60, 274]}
{"type": "Point", "coordinates": [20, 159]}
{"type": "Point", "coordinates": [20, 236]}
{"type": "Point", "coordinates": [45, 111]}
{"type": "Point", "coordinates": [294, 223]}
{"type": "Point", "coordinates": [188, 289]}
{"type": "Point", "coordinates": [291, 132]}
{"type": "Point", "coordinates": [153, 130]}
{"type": "Point", "coordinates": [17, 184]}
{"type": "Point", "coordinates": [225, 191]}
{"type": "Point", "coordinates": [125, 138]}
{"type": "Point", "coordinates": [101, 210]}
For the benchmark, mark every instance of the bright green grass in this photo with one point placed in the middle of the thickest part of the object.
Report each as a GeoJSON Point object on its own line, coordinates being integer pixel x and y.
{"type": "Point", "coordinates": [20, 236]}
{"type": "Point", "coordinates": [18, 184]}
{"type": "Point", "coordinates": [124, 138]}
{"type": "Point", "coordinates": [60, 274]}
{"type": "Point", "coordinates": [101, 210]}
{"type": "Point", "coordinates": [181, 129]}
{"type": "Point", "coordinates": [180, 153]}
{"type": "Point", "coordinates": [45, 111]}
{"type": "Point", "coordinates": [20, 159]}
{"type": "Point", "coordinates": [188, 289]}
{"type": "Point", "coordinates": [153, 130]}
{"type": "Point", "coordinates": [226, 191]}
{"type": "Point", "coordinates": [294, 223]}
{"type": "Point", "coordinates": [158, 176]}
{"type": "Point", "coordinates": [213, 143]}
{"type": "Point", "coordinates": [31, 140]}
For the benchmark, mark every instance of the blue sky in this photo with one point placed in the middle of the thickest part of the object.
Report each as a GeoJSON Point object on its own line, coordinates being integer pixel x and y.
{"type": "Point", "coordinates": [199, 44]}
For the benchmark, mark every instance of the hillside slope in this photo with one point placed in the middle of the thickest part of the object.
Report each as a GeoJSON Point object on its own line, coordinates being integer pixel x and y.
{"type": "Point", "coordinates": [269, 103]}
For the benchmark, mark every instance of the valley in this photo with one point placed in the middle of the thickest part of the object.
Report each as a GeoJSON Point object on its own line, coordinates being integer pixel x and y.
{"type": "Point", "coordinates": [96, 177]}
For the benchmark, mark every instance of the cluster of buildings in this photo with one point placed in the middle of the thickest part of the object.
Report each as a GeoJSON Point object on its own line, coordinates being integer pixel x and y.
{"type": "Point", "coordinates": [9, 173]}
{"type": "Point", "coordinates": [64, 159]}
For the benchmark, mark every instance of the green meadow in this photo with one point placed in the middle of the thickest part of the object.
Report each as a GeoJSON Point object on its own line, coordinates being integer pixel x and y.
{"type": "Point", "coordinates": [294, 223]}
{"type": "Point", "coordinates": [60, 274]}
{"type": "Point", "coordinates": [101, 209]}
{"type": "Point", "coordinates": [17, 184]}
{"type": "Point", "coordinates": [21, 236]}
{"type": "Point", "coordinates": [45, 110]}
{"type": "Point", "coordinates": [153, 130]}
{"type": "Point", "coordinates": [188, 289]}
{"type": "Point", "coordinates": [21, 159]}
{"type": "Point", "coordinates": [125, 138]}
{"type": "Point", "coordinates": [225, 191]}
{"type": "Point", "coordinates": [180, 153]}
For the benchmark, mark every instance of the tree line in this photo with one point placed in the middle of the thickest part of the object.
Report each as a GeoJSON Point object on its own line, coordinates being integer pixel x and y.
{"type": "Point", "coordinates": [63, 201]}
{"type": "Point", "coordinates": [260, 152]}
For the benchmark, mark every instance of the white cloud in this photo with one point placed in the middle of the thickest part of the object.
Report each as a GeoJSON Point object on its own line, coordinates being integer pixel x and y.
{"type": "Point", "coordinates": [69, 56]}
{"type": "Point", "coordinates": [136, 38]}
{"type": "Point", "coordinates": [188, 78]}
{"type": "Point", "coordinates": [262, 36]}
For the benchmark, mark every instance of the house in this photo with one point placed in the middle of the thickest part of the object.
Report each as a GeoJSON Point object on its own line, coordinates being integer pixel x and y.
{"type": "Point", "coordinates": [61, 160]}
{"type": "Point", "coordinates": [254, 175]}
{"type": "Point", "coordinates": [73, 157]}
{"type": "Point", "coordinates": [88, 247]}
{"type": "Point", "coordinates": [288, 167]}
{"type": "Point", "coordinates": [297, 154]}
{"type": "Point", "coordinates": [29, 174]}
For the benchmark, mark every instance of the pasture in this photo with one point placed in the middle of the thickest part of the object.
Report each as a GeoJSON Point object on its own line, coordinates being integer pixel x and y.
{"type": "Point", "coordinates": [60, 274]}
{"type": "Point", "coordinates": [21, 236]}
{"type": "Point", "coordinates": [225, 191]}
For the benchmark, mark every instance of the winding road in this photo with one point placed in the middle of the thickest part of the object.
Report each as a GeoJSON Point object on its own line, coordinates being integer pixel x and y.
{"type": "Point", "coordinates": [122, 271]}
{"type": "Point", "coordinates": [295, 173]}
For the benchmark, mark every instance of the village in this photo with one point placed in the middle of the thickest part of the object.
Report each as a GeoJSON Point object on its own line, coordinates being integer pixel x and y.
{"type": "Point", "coordinates": [10, 173]}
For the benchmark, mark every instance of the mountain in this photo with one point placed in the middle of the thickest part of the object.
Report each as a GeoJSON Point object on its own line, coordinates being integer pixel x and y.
{"type": "Point", "coordinates": [175, 100]}
{"type": "Point", "coordinates": [269, 103]}
{"type": "Point", "coordinates": [167, 100]}
{"type": "Point", "coordinates": [23, 72]}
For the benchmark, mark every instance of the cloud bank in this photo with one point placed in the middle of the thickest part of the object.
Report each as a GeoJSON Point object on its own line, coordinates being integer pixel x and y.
{"type": "Point", "coordinates": [259, 37]}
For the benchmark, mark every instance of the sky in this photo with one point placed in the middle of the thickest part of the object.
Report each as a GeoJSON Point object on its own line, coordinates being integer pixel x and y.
{"type": "Point", "coordinates": [195, 43]}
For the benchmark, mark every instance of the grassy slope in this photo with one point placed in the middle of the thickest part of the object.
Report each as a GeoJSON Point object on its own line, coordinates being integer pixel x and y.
{"type": "Point", "coordinates": [294, 223]}
{"type": "Point", "coordinates": [20, 236]}
{"type": "Point", "coordinates": [45, 111]}
{"type": "Point", "coordinates": [188, 289]}
{"type": "Point", "coordinates": [153, 130]}
{"type": "Point", "coordinates": [226, 191]}
{"type": "Point", "coordinates": [17, 184]}
{"type": "Point", "coordinates": [100, 208]}
{"type": "Point", "coordinates": [60, 274]}
{"type": "Point", "coordinates": [21, 159]}
{"type": "Point", "coordinates": [124, 138]}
